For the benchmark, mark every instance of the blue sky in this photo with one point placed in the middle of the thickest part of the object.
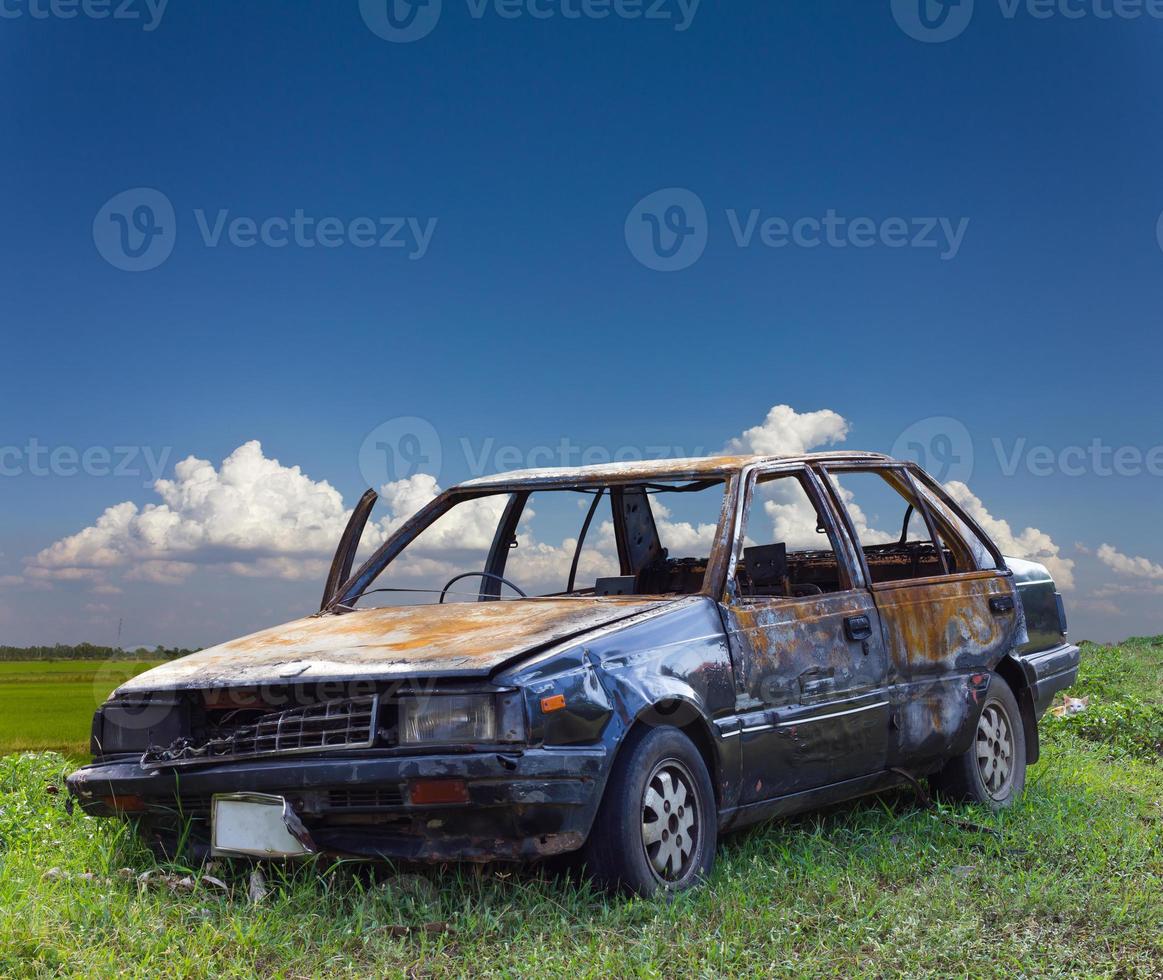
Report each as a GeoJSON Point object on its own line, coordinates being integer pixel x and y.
{"type": "Point", "coordinates": [512, 145]}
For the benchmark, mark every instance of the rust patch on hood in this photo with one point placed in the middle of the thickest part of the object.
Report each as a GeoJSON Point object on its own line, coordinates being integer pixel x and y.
{"type": "Point", "coordinates": [465, 639]}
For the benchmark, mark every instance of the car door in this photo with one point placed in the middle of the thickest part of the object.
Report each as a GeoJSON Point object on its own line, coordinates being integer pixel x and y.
{"type": "Point", "coordinates": [945, 598]}
{"type": "Point", "coordinates": [805, 637]}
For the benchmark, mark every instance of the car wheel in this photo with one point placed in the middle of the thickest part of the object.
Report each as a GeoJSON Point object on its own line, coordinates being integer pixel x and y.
{"type": "Point", "coordinates": [657, 826]}
{"type": "Point", "coordinates": [993, 771]}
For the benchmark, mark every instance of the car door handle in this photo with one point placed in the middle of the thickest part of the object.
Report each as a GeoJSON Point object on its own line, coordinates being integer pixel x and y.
{"type": "Point", "coordinates": [858, 627]}
{"type": "Point", "coordinates": [1001, 604]}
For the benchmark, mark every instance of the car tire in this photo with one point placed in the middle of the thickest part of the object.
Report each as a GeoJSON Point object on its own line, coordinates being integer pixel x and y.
{"type": "Point", "coordinates": [992, 771]}
{"type": "Point", "coordinates": [657, 826]}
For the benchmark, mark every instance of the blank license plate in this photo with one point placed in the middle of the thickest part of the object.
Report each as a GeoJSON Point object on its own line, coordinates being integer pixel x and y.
{"type": "Point", "coordinates": [254, 825]}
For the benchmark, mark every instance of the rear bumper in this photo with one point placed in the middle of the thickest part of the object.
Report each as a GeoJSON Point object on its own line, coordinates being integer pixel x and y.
{"type": "Point", "coordinates": [521, 805]}
{"type": "Point", "coordinates": [1048, 672]}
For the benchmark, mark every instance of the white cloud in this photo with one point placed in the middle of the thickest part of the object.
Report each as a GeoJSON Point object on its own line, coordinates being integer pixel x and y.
{"type": "Point", "coordinates": [786, 432]}
{"type": "Point", "coordinates": [161, 572]}
{"type": "Point", "coordinates": [252, 515]}
{"type": "Point", "coordinates": [1126, 565]}
{"type": "Point", "coordinates": [1104, 607]}
{"type": "Point", "coordinates": [1128, 588]}
{"type": "Point", "coordinates": [1030, 543]}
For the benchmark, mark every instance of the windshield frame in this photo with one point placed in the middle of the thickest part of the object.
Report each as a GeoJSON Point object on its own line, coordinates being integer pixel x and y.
{"type": "Point", "coordinates": [713, 580]}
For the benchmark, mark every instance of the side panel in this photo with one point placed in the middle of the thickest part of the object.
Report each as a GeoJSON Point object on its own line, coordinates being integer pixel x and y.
{"type": "Point", "coordinates": [615, 678]}
{"type": "Point", "coordinates": [813, 673]}
{"type": "Point", "coordinates": [943, 633]}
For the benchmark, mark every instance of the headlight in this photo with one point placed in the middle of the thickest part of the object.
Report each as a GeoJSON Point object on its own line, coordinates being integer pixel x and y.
{"type": "Point", "coordinates": [459, 718]}
{"type": "Point", "coordinates": [134, 723]}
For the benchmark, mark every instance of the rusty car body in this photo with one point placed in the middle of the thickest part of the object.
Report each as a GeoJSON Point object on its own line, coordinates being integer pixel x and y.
{"type": "Point", "coordinates": [630, 721]}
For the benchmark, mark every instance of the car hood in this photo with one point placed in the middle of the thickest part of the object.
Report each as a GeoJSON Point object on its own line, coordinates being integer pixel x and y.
{"type": "Point", "coordinates": [451, 640]}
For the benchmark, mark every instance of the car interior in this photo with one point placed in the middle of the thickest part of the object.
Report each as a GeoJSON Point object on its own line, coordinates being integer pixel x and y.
{"type": "Point", "coordinates": [878, 499]}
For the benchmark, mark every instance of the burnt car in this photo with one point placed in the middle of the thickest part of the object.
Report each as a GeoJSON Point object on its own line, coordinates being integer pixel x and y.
{"type": "Point", "coordinates": [711, 643]}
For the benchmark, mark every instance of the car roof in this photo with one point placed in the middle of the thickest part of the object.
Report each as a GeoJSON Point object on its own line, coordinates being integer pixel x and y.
{"type": "Point", "coordinates": [692, 468]}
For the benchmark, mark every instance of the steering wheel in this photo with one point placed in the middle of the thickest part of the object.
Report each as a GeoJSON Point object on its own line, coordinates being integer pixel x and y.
{"type": "Point", "coordinates": [456, 578]}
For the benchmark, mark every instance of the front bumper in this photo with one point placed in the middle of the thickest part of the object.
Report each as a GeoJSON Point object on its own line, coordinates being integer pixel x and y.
{"type": "Point", "coordinates": [521, 805]}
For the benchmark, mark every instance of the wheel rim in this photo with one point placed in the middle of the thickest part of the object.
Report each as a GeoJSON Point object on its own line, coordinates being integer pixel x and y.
{"type": "Point", "coordinates": [671, 821]}
{"type": "Point", "coordinates": [995, 750]}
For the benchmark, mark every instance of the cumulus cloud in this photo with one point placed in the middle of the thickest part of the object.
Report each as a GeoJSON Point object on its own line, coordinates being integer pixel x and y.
{"type": "Point", "coordinates": [1030, 543]}
{"type": "Point", "coordinates": [1126, 565]}
{"type": "Point", "coordinates": [251, 515]}
{"type": "Point", "coordinates": [786, 432]}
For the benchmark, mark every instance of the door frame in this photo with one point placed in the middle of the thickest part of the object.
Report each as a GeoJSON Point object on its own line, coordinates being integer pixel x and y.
{"type": "Point", "coordinates": [760, 717]}
{"type": "Point", "coordinates": [936, 691]}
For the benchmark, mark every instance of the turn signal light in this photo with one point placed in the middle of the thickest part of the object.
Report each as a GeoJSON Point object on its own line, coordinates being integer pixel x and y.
{"type": "Point", "coordinates": [125, 804]}
{"type": "Point", "coordinates": [553, 703]}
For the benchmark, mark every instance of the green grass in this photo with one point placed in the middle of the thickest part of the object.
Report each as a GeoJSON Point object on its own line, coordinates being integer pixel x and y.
{"type": "Point", "coordinates": [1069, 882]}
{"type": "Point", "coordinates": [48, 705]}
{"type": "Point", "coordinates": [1124, 688]}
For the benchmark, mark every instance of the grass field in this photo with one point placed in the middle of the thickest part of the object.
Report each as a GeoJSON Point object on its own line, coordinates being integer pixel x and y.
{"type": "Point", "coordinates": [49, 704]}
{"type": "Point", "coordinates": [1068, 883]}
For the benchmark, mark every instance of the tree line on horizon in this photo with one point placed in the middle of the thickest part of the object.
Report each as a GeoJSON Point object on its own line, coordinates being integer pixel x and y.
{"type": "Point", "coordinates": [89, 651]}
